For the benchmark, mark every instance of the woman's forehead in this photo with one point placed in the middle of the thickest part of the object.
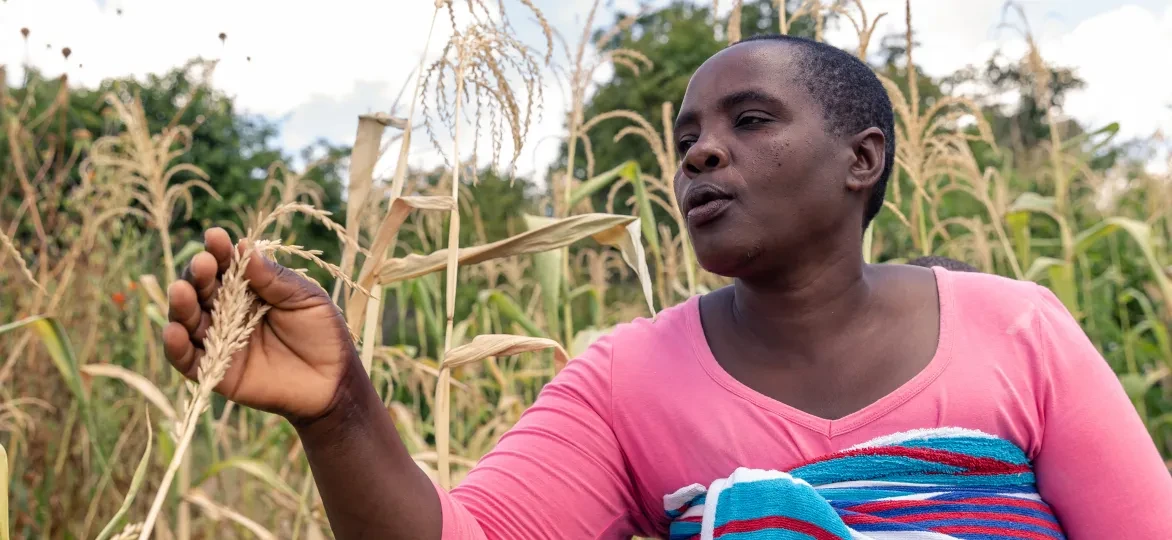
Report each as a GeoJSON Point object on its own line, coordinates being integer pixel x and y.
{"type": "Point", "coordinates": [757, 66]}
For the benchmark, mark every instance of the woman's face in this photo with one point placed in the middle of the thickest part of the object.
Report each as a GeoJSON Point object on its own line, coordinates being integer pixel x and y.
{"type": "Point", "coordinates": [761, 182]}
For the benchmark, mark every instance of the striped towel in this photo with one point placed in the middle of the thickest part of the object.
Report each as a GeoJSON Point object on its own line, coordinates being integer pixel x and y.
{"type": "Point", "coordinates": [931, 484]}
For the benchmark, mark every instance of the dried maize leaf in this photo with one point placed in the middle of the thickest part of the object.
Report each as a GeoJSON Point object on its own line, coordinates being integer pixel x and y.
{"type": "Point", "coordinates": [631, 247]}
{"type": "Point", "coordinates": [217, 512]}
{"type": "Point", "coordinates": [136, 381]}
{"type": "Point", "coordinates": [367, 142]}
{"type": "Point", "coordinates": [384, 239]}
{"type": "Point", "coordinates": [560, 233]}
{"type": "Point", "coordinates": [484, 346]}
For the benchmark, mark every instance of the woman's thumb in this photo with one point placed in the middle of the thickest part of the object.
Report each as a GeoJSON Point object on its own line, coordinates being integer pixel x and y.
{"type": "Point", "coordinates": [276, 284]}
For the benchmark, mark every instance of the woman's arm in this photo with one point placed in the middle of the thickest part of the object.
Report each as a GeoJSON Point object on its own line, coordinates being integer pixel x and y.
{"type": "Point", "coordinates": [1097, 466]}
{"type": "Point", "coordinates": [369, 485]}
{"type": "Point", "coordinates": [559, 473]}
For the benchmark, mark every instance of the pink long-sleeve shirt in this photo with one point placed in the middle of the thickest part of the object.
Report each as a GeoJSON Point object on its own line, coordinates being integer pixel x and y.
{"type": "Point", "coordinates": [647, 410]}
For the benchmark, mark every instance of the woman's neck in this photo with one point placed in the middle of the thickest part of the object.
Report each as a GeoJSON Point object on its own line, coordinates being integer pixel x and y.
{"type": "Point", "coordinates": [804, 307]}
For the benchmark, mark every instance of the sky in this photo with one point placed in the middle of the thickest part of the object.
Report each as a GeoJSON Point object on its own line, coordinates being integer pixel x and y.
{"type": "Point", "coordinates": [313, 66]}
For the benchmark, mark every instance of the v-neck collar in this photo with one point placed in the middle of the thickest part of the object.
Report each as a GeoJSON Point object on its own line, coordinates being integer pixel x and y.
{"type": "Point", "coordinates": [852, 421]}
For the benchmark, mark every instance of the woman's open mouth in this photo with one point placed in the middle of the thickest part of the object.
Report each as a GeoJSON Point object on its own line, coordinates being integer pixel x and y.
{"type": "Point", "coordinates": [705, 203]}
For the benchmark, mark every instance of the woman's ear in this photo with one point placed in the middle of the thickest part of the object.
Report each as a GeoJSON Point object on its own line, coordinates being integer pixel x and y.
{"type": "Point", "coordinates": [869, 151]}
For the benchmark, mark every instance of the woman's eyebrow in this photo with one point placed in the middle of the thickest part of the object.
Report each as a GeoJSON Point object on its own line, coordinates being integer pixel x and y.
{"type": "Point", "coordinates": [729, 101]}
{"type": "Point", "coordinates": [736, 98]}
{"type": "Point", "coordinates": [685, 118]}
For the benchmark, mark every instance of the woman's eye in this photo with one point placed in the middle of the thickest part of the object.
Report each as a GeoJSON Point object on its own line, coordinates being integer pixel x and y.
{"type": "Point", "coordinates": [684, 145]}
{"type": "Point", "coordinates": [750, 120]}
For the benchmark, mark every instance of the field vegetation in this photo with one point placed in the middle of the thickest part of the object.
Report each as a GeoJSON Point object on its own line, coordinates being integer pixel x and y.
{"type": "Point", "coordinates": [465, 287]}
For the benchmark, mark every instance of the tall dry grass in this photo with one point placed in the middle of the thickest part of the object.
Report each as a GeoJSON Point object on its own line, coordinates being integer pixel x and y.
{"type": "Point", "coordinates": [73, 415]}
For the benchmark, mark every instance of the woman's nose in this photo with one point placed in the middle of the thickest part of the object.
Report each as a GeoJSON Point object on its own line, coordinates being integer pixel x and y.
{"type": "Point", "coordinates": [704, 156]}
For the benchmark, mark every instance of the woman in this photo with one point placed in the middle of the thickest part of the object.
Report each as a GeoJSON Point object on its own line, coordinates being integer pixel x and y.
{"type": "Point", "coordinates": [786, 149]}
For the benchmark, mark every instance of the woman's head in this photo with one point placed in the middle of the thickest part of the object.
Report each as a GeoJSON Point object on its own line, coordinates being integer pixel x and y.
{"type": "Point", "coordinates": [786, 145]}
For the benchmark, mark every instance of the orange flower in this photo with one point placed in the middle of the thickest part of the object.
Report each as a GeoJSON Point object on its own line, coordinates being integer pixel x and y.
{"type": "Point", "coordinates": [133, 285]}
{"type": "Point", "coordinates": [119, 299]}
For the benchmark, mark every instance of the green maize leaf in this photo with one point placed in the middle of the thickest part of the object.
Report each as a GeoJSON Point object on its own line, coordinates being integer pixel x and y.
{"type": "Point", "coordinates": [255, 468]}
{"type": "Point", "coordinates": [593, 185]}
{"type": "Point", "coordinates": [1111, 130]}
{"type": "Point", "coordinates": [586, 337]}
{"type": "Point", "coordinates": [633, 173]}
{"type": "Point", "coordinates": [56, 341]}
{"type": "Point", "coordinates": [1030, 202]}
{"type": "Point", "coordinates": [1141, 233]}
{"type": "Point", "coordinates": [135, 485]}
{"type": "Point", "coordinates": [868, 241]}
{"type": "Point", "coordinates": [1156, 325]}
{"type": "Point", "coordinates": [189, 250]}
{"type": "Point", "coordinates": [507, 307]}
{"type": "Point", "coordinates": [1041, 264]}
{"type": "Point", "coordinates": [1134, 384]}
{"type": "Point", "coordinates": [1019, 228]}
{"type": "Point", "coordinates": [1064, 286]}
{"type": "Point", "coordinates": [548, 265]}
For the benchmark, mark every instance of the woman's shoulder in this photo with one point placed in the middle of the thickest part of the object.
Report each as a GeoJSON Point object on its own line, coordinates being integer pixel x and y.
{"type": "Point", "coordinates": [990, 293]}
{"type": "Point", "coordinates": [1004, 305]}
{"type": "Point", "coordinates": [671, 324]}
{"type": "Point", "coordinates": [644, 339]}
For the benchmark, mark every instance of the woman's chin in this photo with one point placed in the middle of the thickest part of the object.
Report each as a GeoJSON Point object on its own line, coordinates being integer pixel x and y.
{"type": "Point", "coordinates": [726, 260]}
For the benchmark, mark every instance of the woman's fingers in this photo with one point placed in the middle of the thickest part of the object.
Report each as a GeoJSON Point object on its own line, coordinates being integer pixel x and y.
{"type": "Point", "coordinates": [180, 351]}
{"type": "Point", "coordinates": [184, 306]}
{"type": "Point", "coordinates": [280, 286]}
{"type": "Point", "coordinates": [201, 330]}
{"type": "Point", "coordinates": [190, 300]}
{"type": "Point", "coordinates": [203, 277]}
{"type": "Point", "coordinates": [217, 242]}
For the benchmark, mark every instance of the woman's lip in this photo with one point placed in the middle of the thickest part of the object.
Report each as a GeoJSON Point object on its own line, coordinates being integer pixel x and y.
{"type": "Point", "coordinates": [708, 212]}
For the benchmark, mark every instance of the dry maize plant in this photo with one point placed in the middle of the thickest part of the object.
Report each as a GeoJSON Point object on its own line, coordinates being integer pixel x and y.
{"type": "Point", "coordinates": [461, 320]}
{"type": "Point", "coordinates": [139, 161]}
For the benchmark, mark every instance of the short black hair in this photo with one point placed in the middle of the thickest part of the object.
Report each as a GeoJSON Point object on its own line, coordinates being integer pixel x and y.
{"type": "Point", "coordinates": [950, 264]}
{"type": "Point", "coordinates": [852, 99]}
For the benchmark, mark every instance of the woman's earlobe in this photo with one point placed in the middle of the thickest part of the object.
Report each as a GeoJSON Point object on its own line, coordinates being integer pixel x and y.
{"type": "Point", "coordinates": [869, 151]}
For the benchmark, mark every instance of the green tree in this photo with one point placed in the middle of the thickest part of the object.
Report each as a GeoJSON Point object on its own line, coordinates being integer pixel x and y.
{"type": "Point", "coordinates": [678, 39]}
{"type": "Point", "coordinates": [234, 149]}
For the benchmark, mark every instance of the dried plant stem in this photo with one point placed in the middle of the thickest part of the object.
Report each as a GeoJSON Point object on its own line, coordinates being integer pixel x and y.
{"type": "Point", "coordinates": [669, 181]}
{"type": "Point", "coordinates": [578, 83]}
{"type": "Point", "coordinates": [235, 313]}
{"type": "Point", "coordinates": [405, 144]}
{"type": "Point", "coordinates": [188, 431]}
{"type": "Point", "coordinates": [6, 243]}
{"type": "Point", "coordinates": [734, 23]}
{"type": "Point", "coordinates": [443, 404]}
{"type": "Point", "coordinates": [913, 85]}
{"type": "Point", "coordinates": [1060, 180]}
{"type": "Point", "coordinates": [370, 337]}
{"type": "Point", "coordinates": [363, 158]}
{"type": "Point", "coordinates": [184, 517]}
{"type": "Point", "coordinates": [168, 256]}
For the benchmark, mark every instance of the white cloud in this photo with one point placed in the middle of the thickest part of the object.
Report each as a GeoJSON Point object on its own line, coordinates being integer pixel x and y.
{"type": "Point", "coordinates": [1119, 51]}
{"type": "Point", "coordinates": [1123, 56]}
{"type": "Point", "coordinates": [316, 65]}
{"type": "Point", "coordinates": [282, 59]}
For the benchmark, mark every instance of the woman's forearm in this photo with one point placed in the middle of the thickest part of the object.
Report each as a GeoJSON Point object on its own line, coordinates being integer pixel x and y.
{"type": "Point", "coordinates": [370, 486]}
